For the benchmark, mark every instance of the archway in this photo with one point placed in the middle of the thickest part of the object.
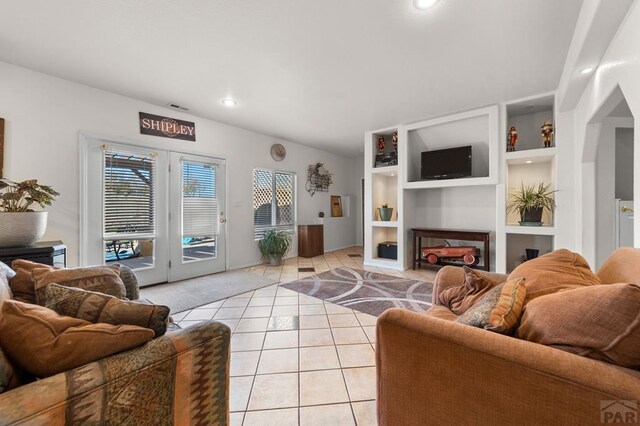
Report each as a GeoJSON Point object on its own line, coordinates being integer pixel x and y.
{"type": "Point", "coordinates": [607, 176]}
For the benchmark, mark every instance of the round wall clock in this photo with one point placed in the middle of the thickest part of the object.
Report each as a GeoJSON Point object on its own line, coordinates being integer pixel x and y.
{"type": "Point", "coordinates": [278, 152]}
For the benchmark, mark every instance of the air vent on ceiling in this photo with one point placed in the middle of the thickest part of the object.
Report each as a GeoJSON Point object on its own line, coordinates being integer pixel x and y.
{"type": "Point", "coordinates": [176, 106]}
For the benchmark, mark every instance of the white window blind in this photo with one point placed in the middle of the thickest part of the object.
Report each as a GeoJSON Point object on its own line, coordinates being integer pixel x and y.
{"type": "Point", "coordinates": [200, 212]}
{"type": "Point", "coordinates": [273, 201]}
{"type": "Point", "coordinates": [129, 195]}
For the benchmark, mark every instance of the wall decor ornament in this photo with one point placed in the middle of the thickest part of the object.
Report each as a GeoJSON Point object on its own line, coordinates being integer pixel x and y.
{"type": "Point", "coordinates": [512, 139]}
{"type": "Point", "coordinates": [336, 206]}
{"type": "Point", "coordinates": [278, 151]}
{"type": "Point", "coordinates": [318, 179]}
{"type": "Point", "coordinates": [546, 131]}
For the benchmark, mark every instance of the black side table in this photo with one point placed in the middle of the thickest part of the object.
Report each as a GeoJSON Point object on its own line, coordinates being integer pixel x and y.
{"type": "Point", "coordinates": [52, 253]}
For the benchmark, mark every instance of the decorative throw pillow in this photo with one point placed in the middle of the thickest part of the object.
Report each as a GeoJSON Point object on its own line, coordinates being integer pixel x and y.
{"type": "Point", "coordinates": [499, 309]}
{"type": "Point", "coordinates": [601, 322]}
{"type": "Point", "coordinates": [97, 307]}
{"type": "Point", "coordinates": [22, 284]}
{"type": "Point", "coordinates": [43, 343]}
{"type": "Point", "coordinates": [460, 298]}
{"type": "Point", "coordinates": [130, 282]}
{"type": "Point", "coordinates": [102, 279]}
{"type": "Point", "coordinates": [556, 271]}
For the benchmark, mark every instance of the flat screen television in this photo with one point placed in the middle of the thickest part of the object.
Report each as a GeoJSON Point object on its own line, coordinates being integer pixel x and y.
{"type": "Point", "coordinates": [447, 163]}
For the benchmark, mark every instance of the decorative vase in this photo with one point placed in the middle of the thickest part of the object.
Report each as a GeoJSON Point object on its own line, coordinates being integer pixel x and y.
{"type": "Point", "coordinates": [275, 260]}
{"type": "Point", "coordinates": [385, 213]}
{"type": "Point", "coordinates": [531, 217]}
{"type": "Point", "coordinates": [21, 229]}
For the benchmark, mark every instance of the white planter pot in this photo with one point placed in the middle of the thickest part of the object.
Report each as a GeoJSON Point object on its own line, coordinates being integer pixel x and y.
{"type": "Point", "coordinates": [21, 229]}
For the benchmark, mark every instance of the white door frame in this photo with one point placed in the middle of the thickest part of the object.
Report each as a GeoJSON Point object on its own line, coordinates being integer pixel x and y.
{"type": "Point", "coordinates": [178, 269]}
{"type": "Point", "coordinates": [84, 139]}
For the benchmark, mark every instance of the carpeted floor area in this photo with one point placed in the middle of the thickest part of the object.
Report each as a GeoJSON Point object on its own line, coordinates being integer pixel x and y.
{"type": "Point", "coordinates": [368, 292]}
{"type": "Point", "coordinates": [188, 294]}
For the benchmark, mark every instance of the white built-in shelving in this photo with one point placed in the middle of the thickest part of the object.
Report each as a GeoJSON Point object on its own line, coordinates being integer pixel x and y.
{"type": "Point", "coordinates": [476, 202]}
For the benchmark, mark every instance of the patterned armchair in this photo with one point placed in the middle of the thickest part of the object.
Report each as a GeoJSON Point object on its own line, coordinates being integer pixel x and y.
{"type": "Point", "coordinates": [181, 378]}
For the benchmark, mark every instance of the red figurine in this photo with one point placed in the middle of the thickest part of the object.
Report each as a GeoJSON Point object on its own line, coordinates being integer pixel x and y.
{"type": "Point", "coordinates": [512, 139]}
{"type": "Point", "coordinates": [547, 133]}
{"type": "Point", "coordinates": [381, 145]}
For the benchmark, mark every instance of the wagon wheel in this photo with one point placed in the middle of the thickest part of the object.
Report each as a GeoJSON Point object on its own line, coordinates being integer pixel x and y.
{"type": "Point", "coordinates": [470, 259]}
{"type": "Point", "coordinates": [432, 258]}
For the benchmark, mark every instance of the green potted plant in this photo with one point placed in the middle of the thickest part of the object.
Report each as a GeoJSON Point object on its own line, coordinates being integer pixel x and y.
{"type": "Point", "coordinates": [20, 225]}
{"type": "Point", "coordinates": [530, 202]}
{"type": "Point", "coordinates": [385, 212]}
{"type": "Point", "coordinates": [274, 245]}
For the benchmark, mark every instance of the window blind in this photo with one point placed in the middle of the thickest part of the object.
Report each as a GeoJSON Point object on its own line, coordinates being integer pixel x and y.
{"type": "Point", "coordinates": [129, 195]}
{"type": "Point", "coordinates": [273, 201]}
{"type": "Point", "coordinates": [200, 211]}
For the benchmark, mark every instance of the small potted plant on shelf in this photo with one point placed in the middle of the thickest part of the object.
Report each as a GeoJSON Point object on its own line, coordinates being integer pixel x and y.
{"type": "Point", "coordinates": [530, 202]}
{"type": "Point", "coordinates": [20, 225]}
{"type": "Point", "coordinates": [274, 245]}
{"type": "Point", "coordinates": [385, 212]}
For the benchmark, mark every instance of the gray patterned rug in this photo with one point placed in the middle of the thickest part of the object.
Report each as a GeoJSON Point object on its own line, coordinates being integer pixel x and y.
{"type": "Point", "coordinates": [368, 292]}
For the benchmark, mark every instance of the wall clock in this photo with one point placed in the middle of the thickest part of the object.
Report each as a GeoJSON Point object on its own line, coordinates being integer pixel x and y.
{"type": "Point", "coordinates": [278, 152]}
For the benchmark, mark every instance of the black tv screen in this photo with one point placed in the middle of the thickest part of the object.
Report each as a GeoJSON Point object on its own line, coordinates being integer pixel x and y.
{"type": "Point", "coordinates": [448, 163]}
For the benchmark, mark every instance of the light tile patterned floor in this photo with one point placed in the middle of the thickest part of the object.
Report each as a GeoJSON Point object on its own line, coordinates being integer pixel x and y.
{"type": "Point", "coordinates": [295, 359]}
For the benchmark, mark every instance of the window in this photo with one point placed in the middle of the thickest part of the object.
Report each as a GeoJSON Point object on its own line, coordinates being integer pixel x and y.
{"type": "Point", "coordinates": [273, 201]}
{"type": "Point", "coordinates": [129, 207]}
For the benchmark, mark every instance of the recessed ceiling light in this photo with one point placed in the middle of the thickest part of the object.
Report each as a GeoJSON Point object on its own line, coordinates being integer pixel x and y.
{"type": "Point", "coordinates": [393, 174]}
{"type": "Point", "coordinates": [528, 161]}
{"type": "Point", "coordinates": [229, 102]}
{"type": "Point", "coordinates": [424, 4]}
{"type": "Point", "coordinates": [586, 70]}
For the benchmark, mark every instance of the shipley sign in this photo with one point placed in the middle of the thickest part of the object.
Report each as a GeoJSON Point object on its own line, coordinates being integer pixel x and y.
{"type": "Point", "coordinates": [167, 127]}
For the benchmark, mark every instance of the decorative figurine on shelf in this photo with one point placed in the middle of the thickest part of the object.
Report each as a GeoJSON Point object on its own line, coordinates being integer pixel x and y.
{"type": "Point", "coordinates": [512, 139]}
{"type": "Point", "coordinates": [547, 133]}
{"type": "Point", "coordinates": [381, 145]}
{"type": "Point", "coordinates": [394, 139]}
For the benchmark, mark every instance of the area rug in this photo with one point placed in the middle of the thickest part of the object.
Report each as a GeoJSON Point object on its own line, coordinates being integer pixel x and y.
{"type": "Point", "coordinates": [368, 292]}
{"type": "Point", "coordinates": [188, 294]}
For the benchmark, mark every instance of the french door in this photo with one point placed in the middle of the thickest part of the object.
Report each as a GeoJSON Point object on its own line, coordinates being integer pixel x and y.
{"type": "Point", "coordinates": [197, 217]}
{"type": "Point", "coordinates": [159, 212]}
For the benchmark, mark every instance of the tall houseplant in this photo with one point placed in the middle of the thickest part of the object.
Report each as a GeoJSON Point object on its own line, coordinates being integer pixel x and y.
{"type": "Point", "coordinates": [530, 202]}
{"type": "Point", "coordinates": [20, 225]}
{"type": "Point", "coordinates": [274, 245]}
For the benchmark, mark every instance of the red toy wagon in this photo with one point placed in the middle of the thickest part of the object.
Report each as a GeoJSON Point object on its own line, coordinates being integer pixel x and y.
{"type": "Point", "coordinates": [468, 254]}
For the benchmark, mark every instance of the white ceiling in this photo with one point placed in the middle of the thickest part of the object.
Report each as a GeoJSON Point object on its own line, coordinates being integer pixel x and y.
{"type": "Point", "coordinates": [320, 73]}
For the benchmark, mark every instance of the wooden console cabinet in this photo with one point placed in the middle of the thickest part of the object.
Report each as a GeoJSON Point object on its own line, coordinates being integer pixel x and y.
{"type": "Point", "coordinates": [310, 240]}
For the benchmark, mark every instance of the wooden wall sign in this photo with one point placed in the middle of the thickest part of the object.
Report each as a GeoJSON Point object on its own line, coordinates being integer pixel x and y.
{"type": "Point", "coordinates": [1, 146]}
{"type": "Point", "coordinates": [167, 127]}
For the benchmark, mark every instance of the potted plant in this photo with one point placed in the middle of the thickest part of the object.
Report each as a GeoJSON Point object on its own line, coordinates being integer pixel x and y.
{"type": "Point", "coordinates": [274, 245]}
{"type": "Point", "coordinates": [530, 201]}
{"type": "Point", "coordinates": [20, 225]}
{"type": "Point", "coordinates": [385, 212]}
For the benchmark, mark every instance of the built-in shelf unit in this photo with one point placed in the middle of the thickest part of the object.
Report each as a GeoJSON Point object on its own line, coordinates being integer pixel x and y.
{"type": "Point", "coordinates": [476, 202]}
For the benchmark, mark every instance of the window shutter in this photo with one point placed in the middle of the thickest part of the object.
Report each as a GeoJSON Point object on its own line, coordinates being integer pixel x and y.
{"type": "Point", "coordinates": [129, 195]}
{"type": "Point", "coordinates": [200, 212]}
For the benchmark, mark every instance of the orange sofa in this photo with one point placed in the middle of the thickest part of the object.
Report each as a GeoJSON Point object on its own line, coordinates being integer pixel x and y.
{"type": "Point", "coordinates": [433, 371]}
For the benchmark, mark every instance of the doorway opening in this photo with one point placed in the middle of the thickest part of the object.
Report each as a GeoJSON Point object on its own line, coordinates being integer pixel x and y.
{"type": "Point", "coordinates": [609, 157]}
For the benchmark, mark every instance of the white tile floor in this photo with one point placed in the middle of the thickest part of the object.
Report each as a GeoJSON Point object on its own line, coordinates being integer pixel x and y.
{"type": "Point", "coordinates": [295, 359]}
